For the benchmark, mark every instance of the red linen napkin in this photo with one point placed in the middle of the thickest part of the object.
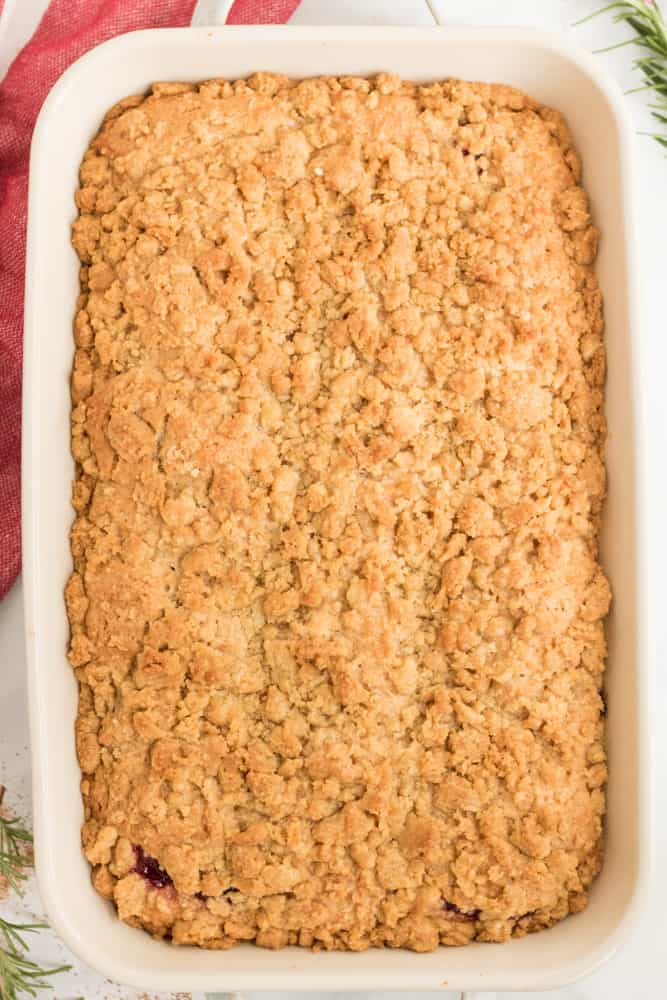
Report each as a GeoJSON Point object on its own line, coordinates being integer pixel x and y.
{"type": "Point", "coordinates": [68, 29]}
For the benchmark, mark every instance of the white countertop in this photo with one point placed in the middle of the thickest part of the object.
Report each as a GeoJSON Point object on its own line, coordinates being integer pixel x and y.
{"type": "Point", "coordinates": [636, 972]}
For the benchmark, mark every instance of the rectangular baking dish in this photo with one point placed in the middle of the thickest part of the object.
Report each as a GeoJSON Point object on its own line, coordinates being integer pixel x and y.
{"type": "Point", "coordinates": [551, 70]}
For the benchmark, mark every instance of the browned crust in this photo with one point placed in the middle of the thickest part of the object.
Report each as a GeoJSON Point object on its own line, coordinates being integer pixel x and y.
{"type": "Point", "coordinates": [338, 423]}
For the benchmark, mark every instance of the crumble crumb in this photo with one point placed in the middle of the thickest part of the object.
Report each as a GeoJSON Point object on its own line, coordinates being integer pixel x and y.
{"type": "Point", "coordinates": [337, 611]}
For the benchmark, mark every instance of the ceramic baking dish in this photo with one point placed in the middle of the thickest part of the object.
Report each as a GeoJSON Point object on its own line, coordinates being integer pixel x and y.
{"type": "Point", "coordinates": [551, 70]}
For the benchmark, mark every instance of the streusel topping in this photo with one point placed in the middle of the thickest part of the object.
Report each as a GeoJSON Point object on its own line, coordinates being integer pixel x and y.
{"type": "Point", "coordinates": [338, 423]}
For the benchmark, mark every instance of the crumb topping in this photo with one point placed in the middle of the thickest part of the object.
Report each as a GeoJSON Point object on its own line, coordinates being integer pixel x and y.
{"type": "Point", "coordinates": [336, 611]}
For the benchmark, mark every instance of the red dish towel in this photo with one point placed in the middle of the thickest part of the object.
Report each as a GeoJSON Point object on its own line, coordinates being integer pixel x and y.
{"type": "Point", "coordinates": [68, 29]}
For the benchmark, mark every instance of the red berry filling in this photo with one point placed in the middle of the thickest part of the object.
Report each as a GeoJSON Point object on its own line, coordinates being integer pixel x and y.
{"type": "Point", "coordinates": [148, 868]}
{"type": "Point", "coordinates": [457, 914]}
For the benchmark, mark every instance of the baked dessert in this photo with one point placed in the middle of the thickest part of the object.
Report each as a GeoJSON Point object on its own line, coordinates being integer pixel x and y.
{"type": "Point", "coordinates": [336, 609]}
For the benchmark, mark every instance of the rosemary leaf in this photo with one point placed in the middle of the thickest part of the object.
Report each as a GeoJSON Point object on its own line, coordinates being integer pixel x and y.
{"type": "Point", "coordinates": [15, 850]}
{"type": "Point", "coordinates": [19, 976]}
{"type": "Point", "coordinates": [646, 20]}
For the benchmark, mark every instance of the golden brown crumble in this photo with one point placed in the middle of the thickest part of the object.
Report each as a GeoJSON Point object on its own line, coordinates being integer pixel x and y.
{"type": "Point", "coordinates": [338, 423]}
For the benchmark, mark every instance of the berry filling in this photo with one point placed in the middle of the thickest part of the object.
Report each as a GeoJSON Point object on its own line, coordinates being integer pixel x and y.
{"type": "Point", "coordinates": [148, 868]}
{"type": "Point", "coordinates": [457, 914]}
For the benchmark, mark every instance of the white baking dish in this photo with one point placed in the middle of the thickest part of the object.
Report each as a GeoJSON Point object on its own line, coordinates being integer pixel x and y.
{"type": "Point", "coordinates": [553, 71]}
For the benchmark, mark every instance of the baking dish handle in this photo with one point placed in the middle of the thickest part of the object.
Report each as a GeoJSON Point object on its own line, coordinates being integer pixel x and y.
{"type": "Point", "coordinates": [436, 20]}
{"type": "Point", "coordinates": [211, 12]}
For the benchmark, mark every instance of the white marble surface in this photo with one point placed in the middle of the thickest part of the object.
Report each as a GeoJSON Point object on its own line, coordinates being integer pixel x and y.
{"type": "Point", "coordinates": [637, 971]}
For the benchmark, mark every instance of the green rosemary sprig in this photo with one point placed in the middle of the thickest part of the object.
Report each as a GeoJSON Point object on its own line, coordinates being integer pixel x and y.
{"type": "Point", "coordinates": [650, 33]}
{"type": "Point", "coordinates": [18, 974]}
{"type": "Point", "coordinates": [15, 851]}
